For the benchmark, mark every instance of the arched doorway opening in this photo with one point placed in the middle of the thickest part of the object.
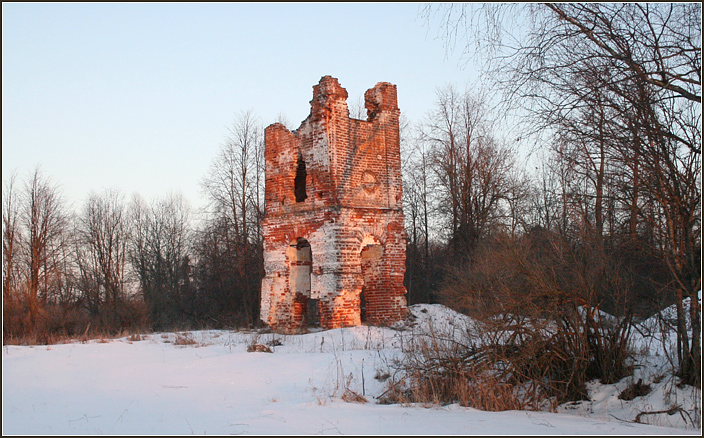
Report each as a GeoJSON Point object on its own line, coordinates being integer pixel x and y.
{"type": "Point", "coordinates": [301, 267]}
{"type": "Point", "coordinates": [370, 260]}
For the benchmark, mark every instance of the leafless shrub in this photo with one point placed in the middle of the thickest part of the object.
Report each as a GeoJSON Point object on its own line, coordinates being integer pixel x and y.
{"type": "Point", "coordinates": [539, 335]}
{"type": "Point", "coordinates": [442, 370]}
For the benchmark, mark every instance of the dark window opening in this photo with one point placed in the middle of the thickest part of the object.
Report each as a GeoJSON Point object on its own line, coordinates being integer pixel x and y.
{"type": "Point", "coordinates": [300, 181]}
{"type": "Point", "coordinates": [363, 306]}
{"type": "Point", "coordinates": [313, 312]}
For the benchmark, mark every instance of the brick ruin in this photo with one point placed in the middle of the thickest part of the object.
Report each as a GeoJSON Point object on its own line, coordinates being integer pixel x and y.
{"type": "Point", "coordinates": [334, 237]}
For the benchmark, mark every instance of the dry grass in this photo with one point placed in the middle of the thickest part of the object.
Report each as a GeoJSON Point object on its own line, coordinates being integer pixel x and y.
{"type": "Point", "coordinates": [48, 338]}
{"type": "Point", "coordinates": [353, 397]}
{"type": "Point", "coordinates": [255, 346]}
{"type": "Point", "coordinates": [258, 348]}
{"type": "Point", "coordinates": [635, 389]}
{"type": "Point", "coordinates": [443, 372]}
{"type": "Point", "coordinates": [184, 339]}
{"type": "Point", "coordinates": [55, 324]}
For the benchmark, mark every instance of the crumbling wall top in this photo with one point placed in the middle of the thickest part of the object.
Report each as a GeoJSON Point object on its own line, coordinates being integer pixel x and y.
{"type": "Point", "coordinates": [328, 97]}
{"type": "Point", "coordinates": [380, 98]}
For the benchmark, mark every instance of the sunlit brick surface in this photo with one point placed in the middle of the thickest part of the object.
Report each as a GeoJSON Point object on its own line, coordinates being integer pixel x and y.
{"type": "Point", "coordinates": [335, 184]}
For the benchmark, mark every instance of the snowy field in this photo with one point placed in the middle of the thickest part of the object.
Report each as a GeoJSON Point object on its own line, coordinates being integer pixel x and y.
{"type": "Point", "coordinates": [205, 382]}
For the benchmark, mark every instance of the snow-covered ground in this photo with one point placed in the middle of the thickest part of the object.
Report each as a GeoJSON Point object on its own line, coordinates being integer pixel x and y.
{"type": "Point", "coordinates": [205, 382]}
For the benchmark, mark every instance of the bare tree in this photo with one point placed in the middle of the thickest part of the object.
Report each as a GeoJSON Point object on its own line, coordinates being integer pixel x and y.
{"type": "Point", "coordinates": [618, 88]}
{"type": "Point", "coordinates": [234, 182]}
{"type": "Point", "coordinates": [10, 250]}
{"type": "Point", "coordinates": [230, 246]}
{"type": "Point", "coordinates": [419, 207]}
{"type": "Point", "coordinates": [673, 181]}
{"type": "Point", "coordinates": [102, 254]}
{"type": "Point", "coordinates": [159, 253]}
{"type": "Point", "coordinates": [43, 220]}
{"type": "Point", "coordinates": [658, 42]}
{"type": "Point", "coordinates": [474, 172]}
{"type": "Point", "coordinates": [418, 197]}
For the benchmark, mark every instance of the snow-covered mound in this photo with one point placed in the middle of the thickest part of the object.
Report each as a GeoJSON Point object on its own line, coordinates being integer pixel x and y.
{"type": "Point", "coordinates": [666, 319]}
{"type": "Point", "coordinates": [206, 382]}
{"type": "Point", "coordinates": [437, 316]}
{"type": "Point", "coordinates": [665, 403]}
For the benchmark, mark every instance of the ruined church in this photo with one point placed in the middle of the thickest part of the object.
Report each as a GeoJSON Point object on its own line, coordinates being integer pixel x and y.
{"type": "Point", "coordinates": [334, 238]}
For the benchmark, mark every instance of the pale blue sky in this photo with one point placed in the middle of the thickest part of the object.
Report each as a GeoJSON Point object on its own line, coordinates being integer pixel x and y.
{"type": "Point", "coordinates": [138, 97]}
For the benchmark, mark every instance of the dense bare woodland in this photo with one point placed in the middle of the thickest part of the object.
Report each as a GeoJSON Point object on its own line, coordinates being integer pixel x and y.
{"type": "Point", "coordinates": [610, 220]}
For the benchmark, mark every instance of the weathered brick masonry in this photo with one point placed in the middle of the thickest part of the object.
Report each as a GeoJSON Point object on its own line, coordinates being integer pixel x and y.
{"type": "Point", "coordinates": [334, 239]}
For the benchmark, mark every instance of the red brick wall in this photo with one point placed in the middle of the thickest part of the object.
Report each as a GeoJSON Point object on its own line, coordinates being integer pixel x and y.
{"type": "Point", "coordinates": [354, 198]}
